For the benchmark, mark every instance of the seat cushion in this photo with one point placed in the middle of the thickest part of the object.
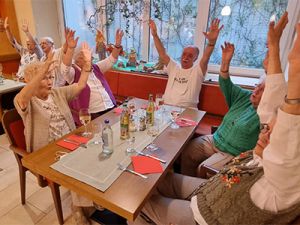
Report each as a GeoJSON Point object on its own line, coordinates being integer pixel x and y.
{"type": "Point", "coordinates": [17, 133]}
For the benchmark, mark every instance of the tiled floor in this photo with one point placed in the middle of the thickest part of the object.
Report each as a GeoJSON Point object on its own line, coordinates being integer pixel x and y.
{"type": "Point", "coordinates": [39, 208]}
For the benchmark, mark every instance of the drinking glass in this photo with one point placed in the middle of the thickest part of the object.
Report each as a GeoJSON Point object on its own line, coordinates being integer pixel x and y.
{"type": "Point", "coordinates": [152, 132]}
{"type": "Point", "coordinates": [174, 114]}
{"type": "Point", "coordinates": [159, 101]}
{"type": "Point", "coordinates": [97, 133]}
{"type": "Point", "coordinates": [130, 148]}
{"type": "Point", "coordinates": [85, 118]}
{"type": "Point", "coordinates": [1, 76]}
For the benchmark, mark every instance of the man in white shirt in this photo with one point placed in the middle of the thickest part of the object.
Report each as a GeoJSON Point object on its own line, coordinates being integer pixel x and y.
{"type": "Point", "coordinates": [185, 80]}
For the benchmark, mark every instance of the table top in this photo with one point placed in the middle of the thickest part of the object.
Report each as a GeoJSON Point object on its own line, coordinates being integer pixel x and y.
{"type": "Point", "coordinates": [128, 194]}
{"type": "Point", "coordinates": [10, 85]}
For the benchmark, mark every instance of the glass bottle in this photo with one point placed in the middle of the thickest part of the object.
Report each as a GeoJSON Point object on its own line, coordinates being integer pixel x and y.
{"type": "Point", "coordinates": [124, 123]}
{"type": "Point", "coordinates": [150, 111]}
{"type": "Point", "coordinates": [107, 137]}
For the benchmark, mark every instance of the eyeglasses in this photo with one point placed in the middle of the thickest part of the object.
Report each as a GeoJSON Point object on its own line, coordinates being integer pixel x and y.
{"type": "Point", "coordinates": [264, 127]}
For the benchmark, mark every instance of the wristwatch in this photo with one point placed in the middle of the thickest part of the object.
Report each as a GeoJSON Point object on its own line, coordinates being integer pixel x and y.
{"type": "Point", "coordinates": [294, 101]}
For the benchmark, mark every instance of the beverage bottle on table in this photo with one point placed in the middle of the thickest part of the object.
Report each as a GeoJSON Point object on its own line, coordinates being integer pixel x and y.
{"type": "Point", "coordinates": [124, 123]}
{"type": "Point", "coordinates": [150, 111]}
{"type": "Point", "coordinates": [107, 137]}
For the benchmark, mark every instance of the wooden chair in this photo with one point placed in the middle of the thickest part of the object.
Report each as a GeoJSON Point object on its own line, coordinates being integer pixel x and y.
{"type": "Point", "coordinates": [14, 129]}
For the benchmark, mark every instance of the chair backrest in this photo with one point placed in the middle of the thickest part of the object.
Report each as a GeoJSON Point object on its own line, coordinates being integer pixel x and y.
{"type": "Point", "coordinates": [14, 128]}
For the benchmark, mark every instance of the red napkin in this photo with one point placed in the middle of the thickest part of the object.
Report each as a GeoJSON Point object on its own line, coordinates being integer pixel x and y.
{"type": "Point", "coordinates": [185, 122]}
{"type": "Point", "coordinates": [118, 110]}
{"type": "Point", "coordinates": [72, 146]}
{"type": "Point", "coordinates": [144, 165]}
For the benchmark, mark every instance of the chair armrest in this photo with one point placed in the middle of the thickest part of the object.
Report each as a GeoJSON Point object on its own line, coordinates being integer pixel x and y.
{"type": "Point", "coordinates": [205, 171]}
{"type": "Point", "coordinates": [19, 151]}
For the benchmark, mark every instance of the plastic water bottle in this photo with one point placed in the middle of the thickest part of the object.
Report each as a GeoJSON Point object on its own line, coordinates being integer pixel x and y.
{"type": "Point", "coordinates": [107, 137]}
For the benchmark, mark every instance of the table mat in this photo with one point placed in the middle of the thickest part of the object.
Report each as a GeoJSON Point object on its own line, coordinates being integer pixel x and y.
{"type": "Point", "coordinates": [89, 165]}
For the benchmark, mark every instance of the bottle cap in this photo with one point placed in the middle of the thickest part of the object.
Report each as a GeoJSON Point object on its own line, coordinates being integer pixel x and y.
{"type": "Point", "coordinates": [106, 121]}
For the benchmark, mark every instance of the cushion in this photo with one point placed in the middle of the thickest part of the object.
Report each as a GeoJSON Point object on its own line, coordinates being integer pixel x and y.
{"type": "Point", "coordinates": [17, 133]}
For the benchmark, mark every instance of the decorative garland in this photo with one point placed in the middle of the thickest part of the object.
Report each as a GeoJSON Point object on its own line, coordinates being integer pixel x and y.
{"type": "Point", "coordinates": [128, 10]}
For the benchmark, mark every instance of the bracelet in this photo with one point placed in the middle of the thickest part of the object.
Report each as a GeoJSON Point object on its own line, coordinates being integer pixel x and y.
{"type": "Point", "coordinates": [210, 44]}
{"type": "Point", "coordinates": [90, 70]}
{"type": "Point", "coordinates": [294, 101]}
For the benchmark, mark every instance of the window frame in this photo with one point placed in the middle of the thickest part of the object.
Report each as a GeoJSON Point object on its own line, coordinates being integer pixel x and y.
{"type": "Point", "coordinates": [293, 8]}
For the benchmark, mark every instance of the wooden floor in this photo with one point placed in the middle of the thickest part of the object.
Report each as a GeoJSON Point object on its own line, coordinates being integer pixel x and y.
{"type": "Point", "coordinates": [39, 207]}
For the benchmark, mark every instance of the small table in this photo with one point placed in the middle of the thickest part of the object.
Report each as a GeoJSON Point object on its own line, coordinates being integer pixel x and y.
{"type": "Point", "coordinates": [128, 194]}
{"type": "Point", "coordinates": [7, 87]}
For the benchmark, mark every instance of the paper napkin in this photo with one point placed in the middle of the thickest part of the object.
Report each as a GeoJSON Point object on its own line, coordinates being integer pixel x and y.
{"type": "Point", "coordinates": [72, 146]}
{"type": "Point", "coordinates": [144, 165]}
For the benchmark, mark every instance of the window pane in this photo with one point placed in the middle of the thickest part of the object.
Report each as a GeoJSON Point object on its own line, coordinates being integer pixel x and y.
{"type": "Point", "coordinates": [76, 15]}
{"type": "Point", "coordinates": [177, 27]}
{"type": "Point", "coordinates": [246, 27]}
{"type": "Point", "coordinates": [116, 17]}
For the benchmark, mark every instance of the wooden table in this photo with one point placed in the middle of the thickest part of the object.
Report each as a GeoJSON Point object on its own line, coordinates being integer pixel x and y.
{"type": "Point", "coordinates": [7, 87]}
{"type": "Point", "coordinates": [128, 194]}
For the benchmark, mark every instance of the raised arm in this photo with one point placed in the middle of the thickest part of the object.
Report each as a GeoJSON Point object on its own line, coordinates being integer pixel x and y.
{"type": "Point", "coordinates": [292, 101]}
{"type": "Point", "coordinates": [118, 44]}
{"type": "Point", "coordinates": [227, 54]}
{"type": "Point", "coordinates": [86, 69]}
{"type": "Point", "coordinates": [275, 85]}
{"type": "Point", "coordinates": [38, 51]}
{"type": "Point", "coordinates": [24, 96]}
{"type": "Point", "coordinates": [158, 45]}
{"type": "Point", "coordinates": [212, 36]}
{"type": "Point", "coordinates": [71, 45]}
{"type": "Point", "coordinates": [10, 36]}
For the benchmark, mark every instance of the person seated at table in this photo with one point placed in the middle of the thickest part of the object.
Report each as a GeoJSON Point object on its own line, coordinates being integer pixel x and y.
{"type": "Point", "coordinates": [97, 95]}
{"type": "Point", "coordinates": [247, 192]}
{"type": "Point", "coordinates": [185, 80]}
{"type": "Point", "coordinates": [31, 53]}
{"type": "Point", "coordinates": [57, 69]}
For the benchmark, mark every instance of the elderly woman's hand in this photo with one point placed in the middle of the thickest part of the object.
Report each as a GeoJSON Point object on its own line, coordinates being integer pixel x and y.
{"type": "Point", "coordinates": [70, 38]}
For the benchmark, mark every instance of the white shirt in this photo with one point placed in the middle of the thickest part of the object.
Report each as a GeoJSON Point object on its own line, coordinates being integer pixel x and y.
{"type": "Point", "coordinates": [278, 188]}
{"type": "Point", "coordinates": [99, 98]}
{"type": "Point", "coordinates": [184, 85]}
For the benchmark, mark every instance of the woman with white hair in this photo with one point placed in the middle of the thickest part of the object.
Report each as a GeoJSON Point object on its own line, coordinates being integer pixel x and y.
{"type": "Point", "coordinates": [44, 109]}
{"type": "Point", "coordinates": [97, 95]}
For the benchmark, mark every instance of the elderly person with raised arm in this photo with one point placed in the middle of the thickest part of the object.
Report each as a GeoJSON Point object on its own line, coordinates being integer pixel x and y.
{"type": "Point", "coordinates": [44, 110]}
{"type": "Point", "coordinates": [31, 53]}
{"type": "Point", "coordinates": [185, 79]}
{"type": "Point", "coordinates": [97, 95]}
{"type": "Point", "coordinates": [248, 192]}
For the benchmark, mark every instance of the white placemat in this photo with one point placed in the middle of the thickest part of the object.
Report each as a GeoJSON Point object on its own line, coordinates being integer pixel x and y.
{"type": "Point", "coordinates": [94, 168]}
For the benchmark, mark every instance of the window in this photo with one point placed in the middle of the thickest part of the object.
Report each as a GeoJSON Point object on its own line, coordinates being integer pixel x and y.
{"type": "Point", "coordinates": [182, 23]}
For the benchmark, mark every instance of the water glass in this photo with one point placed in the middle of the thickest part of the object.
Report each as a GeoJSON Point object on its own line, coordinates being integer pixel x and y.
{"type": "Point", "coordinates": [130, 148]}
{"type": "Point", "coordinates": [15, 77]}
{"type": "Point", "coordinates": [159, 101]}
{"type": "Point", "coordinates": [174, 116]}
{"type": "Point", "coordinates": [152, 132]}
{"type": "Point", "coordinates": [97, 133]}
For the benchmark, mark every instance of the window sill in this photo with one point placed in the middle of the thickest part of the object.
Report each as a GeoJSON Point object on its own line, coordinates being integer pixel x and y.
{"type": "Point", "coordinates": [245, 82]}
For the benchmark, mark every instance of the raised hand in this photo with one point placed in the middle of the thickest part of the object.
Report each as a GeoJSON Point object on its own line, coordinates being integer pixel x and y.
{"type": "Point", "coordinates": [275, 31]}
{"type": "Point", "coordinates": [25, 26]}
{"type": "Point", "coordinates": [87, 55]}
{"type": "Point", "coordinates": [214, 30]}
{"type": "Point", "coordinates": [70, 38]}
{"type": "Point", "coordinates": [6, 25]}
{"type": "Point", "coordinates": [119, 36]}
{"type": "Point", "coordinates": [153, 27]}
{"type": "Point", "coordinates": [227, 52]}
